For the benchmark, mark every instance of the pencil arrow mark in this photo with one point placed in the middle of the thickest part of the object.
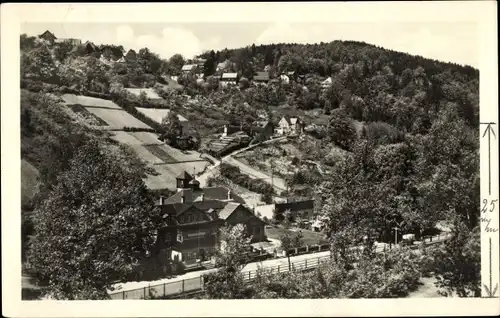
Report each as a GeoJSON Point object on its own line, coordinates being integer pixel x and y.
{"type": "Point", "coordinates": [490, 131]}
{"type": "Point", "coordinates": [489, 290]}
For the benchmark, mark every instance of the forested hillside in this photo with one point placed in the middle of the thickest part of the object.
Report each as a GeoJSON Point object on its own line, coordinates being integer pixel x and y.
{"type": "Point", "coordinates": [406, 128]}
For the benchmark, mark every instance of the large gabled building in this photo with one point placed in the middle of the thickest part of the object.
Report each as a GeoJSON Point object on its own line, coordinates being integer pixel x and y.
{"type": "Point", "coordinates": [193, 216]}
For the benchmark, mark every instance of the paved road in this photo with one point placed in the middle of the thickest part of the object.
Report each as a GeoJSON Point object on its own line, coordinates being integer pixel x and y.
{"type": "Point", "coordinates": [278, 182]}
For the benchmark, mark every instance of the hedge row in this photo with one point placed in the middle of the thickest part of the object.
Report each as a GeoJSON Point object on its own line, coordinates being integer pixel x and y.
{"type": "Point", "coordinates": [233, 173]}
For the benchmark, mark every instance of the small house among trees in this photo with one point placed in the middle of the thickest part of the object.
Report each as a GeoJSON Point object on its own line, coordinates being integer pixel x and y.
{"type": "Point", "coordinates": [47, 36]}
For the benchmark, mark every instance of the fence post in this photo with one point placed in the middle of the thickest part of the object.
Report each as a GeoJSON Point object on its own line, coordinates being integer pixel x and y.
{"type": "Point", "coordinates": [249, 272]}
{"type": "Point", "coordinates": [306, 263]}
{"type": "Point", "coordinates": [278, 268]}
{"type": "Point", "coordinates": [123, 296]}
{"type": "Point", "coordinates": [307, 248]}
{"type": "Point", "coordinates": [183, 285]}
{"type": "Point", "coordinates": [144, 292]}
{"type": "Point", "coordinates": [164, 290]}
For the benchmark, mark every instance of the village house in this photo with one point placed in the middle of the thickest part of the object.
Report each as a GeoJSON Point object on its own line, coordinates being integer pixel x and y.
{"type": "Point", "coordinates": [221, 67]}
{"type": "Point", "coordinates": [90, 47]}
{"type": "Point", "coordinates": [285, 79]}
{"type": "Point", "coordinates": [189, 68]}
{"type": "Point", "coordinates": [326, 83]}
{"type": "Point", "coordinates": [131, 56]}
{"type": "Point", "coordinates": [261, 78]}
{"type": "Point", "coordinates": [48, 37]}
{"type": "Point", "coordinates": [299, 209]}
{"type": "Point", "coordinates": [262, 130]}
{"type": "Point", "coordinates": [290, 126]}
{"type": "Point", "coordinates": [194, 215]}
{"type": "Point", "coordinates": [74, 42]}
{"type": "Point", "coordinates": [228, 79]}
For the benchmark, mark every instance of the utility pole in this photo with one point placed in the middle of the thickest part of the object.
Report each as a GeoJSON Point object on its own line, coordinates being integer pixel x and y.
{"type": "Point", "coordinates": [396, 229]}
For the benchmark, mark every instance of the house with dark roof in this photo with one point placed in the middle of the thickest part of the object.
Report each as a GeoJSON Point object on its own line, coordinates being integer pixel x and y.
{"type": "Point", "coordinates": [299, 209]}
{"type": "Point", "coordinates": [131, 56]}
{"type": "Point", "coordinates": [47, 36]}
{"type": "Point", "coordinates": [262, 129]}
{"type": "Point", "coordinates": [90, 47]}
{"type": "Point", "coordinates": [193, 216]}
{"type": "Point", "coordinates": [261, 78]}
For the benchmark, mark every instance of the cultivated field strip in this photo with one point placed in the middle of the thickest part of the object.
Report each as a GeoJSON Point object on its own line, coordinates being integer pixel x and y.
{"type": "Point", "coordinates": [117, 118]}
{"type": "Point", "coordinates": [70, 99]}
{"type": "Point", "coordinates": [157, 114]}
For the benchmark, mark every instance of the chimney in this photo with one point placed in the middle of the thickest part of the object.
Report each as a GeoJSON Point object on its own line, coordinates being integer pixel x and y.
{"type": "Point", "coordinates": [183, 198]}
{"type": "Point", "coordinates": [229, 195]}
{"type": "Point", "coordinates": [162, 200]}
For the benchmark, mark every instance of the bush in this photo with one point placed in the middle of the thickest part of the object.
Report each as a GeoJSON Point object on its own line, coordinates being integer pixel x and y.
{"type": "Point", "coordinates": [255, 185]}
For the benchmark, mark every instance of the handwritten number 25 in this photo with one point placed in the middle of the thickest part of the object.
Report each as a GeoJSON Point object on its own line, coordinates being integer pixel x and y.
{"type": "Point", "coordinates": [485, 206]}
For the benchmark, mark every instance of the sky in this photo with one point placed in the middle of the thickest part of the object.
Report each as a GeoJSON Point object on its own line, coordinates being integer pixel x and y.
{"type": "Point", "coordinates": [445, 41]}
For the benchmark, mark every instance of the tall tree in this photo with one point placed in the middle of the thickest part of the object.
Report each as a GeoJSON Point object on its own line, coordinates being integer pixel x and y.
{"type": "Point", "coordinates": [94, 226]}
{"type": "Point", "coordinates": [172, 127]}
{"type": "Point", "coordinates": [231, 256]}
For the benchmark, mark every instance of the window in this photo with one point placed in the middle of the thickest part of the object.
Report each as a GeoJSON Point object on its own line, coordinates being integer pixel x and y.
{"type": "Point", "coordinates": [168, 238]}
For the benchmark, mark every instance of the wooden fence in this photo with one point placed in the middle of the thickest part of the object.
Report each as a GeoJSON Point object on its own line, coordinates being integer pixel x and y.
{"type": "Point", "coordinates": [194, 285]}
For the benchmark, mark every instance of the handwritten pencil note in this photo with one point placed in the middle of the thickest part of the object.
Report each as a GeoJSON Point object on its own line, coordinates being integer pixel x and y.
{"type": "Point", "coordinates": [487, 211]}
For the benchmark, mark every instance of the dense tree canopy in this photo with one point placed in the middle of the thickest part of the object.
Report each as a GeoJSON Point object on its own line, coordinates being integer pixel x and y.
{"type": "Point", "coordinates": [94, 226]}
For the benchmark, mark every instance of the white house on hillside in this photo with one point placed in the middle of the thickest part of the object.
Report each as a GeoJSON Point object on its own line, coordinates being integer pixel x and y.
{"type": "Point", "coordinates": [326, 83]}
{"type": "Point", "coordinates": [290, 126]}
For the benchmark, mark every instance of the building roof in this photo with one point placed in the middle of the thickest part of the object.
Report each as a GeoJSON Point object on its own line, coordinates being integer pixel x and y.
{"type": "Point", "coordinates": [261, 123]}
{"type": "Point", "coordinates": [184, 176]}
{"type": "Point", "coordinates": [228, 210]}
{"type": "Point", "coordinates": [189, 67]}
{"type": "Point", "coordinates": [209, 193]}
{"type": "Point", "coordinates": [230, 75]}
{"type": "Point", "coordinates": [294, 206]}
{"type": "Point", "coordinates": [261, 76]}
{"type": "Point", "coordinates": [92, 45]}
{"type": "Point", "coordinates": [47, 33]}
{"type": "Point", "coordinates": [292, 120]}
{"type": "Point", "coordinates": [205, 206]}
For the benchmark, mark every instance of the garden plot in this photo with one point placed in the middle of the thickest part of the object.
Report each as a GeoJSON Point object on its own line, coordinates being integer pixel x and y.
{"type": "Point", "coordinates": [87, 116]}
{"type": "Point", "coordinates": [126, 138]}
{"type": "Point", "coordinates": [176, 155]}
{"type": "Point", "coordinates": [157, 114]}
{"type": "Point", "coordinates": [146, 138]}
{"type": "Point", "coordinates": [143, 153]}
{"type": "Point", "coordinates": [150, 93]}
{"type": "Point", "coordinates": [117, 118]}
{"type": "Point", "coordinates": [71, 99]}
{"type": "Point", "coordinates": [166, 179]}
{"type": "Point", "coordinates": [136, 138]}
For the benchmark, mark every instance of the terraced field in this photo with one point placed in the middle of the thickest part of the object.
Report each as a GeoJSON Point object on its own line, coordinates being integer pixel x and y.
{"type": "Point", "coordinates": [157, 114]}
{"type": "Point", "coordinates": [167, 161]}
{"type": "Point", "coordinates": [150, 93]}
{"type": "Point", "coordinates": [110, 114]}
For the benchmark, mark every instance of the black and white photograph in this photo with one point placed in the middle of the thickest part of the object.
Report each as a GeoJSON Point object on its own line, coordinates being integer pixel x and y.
{"type": "Point", "coordinates": [247, 159]}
